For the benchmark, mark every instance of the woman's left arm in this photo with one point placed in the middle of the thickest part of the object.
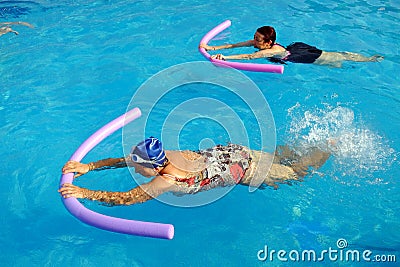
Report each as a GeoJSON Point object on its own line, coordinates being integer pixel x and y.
{"type": "Point", "coordinates": [259, 54]}
{"type": "Point", "coordinates": [139, 194]}
{"type": "Point", "coordinates": [133, 196]}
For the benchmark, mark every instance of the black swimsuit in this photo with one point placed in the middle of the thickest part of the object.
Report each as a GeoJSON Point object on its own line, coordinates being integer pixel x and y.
{"type": "Point", "coordinates": [299, 52]}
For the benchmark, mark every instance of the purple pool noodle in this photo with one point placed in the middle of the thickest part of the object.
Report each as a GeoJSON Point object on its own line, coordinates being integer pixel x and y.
{"type": "Point", "coordinates": [237, 65]}
{"type": "Point", "coordinates": [119, 225]}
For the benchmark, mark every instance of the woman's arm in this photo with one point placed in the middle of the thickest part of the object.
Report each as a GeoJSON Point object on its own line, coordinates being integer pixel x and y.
{"type": "Point", "coordinates": [5, 27]}
{"type": "Point", "coordinates": [4, 30]}
{"type": "Point", "coordinates": [136, 195]}
{"type": "Point", "coordinates": [259, 54]}
{"type": "Point", "coordinates": [82, 168]}
{"type": "Point", "coordinates": [17, 23]}
{"type": "Point", "coordinates": [218, 47]}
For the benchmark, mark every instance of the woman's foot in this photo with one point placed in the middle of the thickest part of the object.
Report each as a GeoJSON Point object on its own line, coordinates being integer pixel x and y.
{"type": "Point", "coordinates": [376, 58]}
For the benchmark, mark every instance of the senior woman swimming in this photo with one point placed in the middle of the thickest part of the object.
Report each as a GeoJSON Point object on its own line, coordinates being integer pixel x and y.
{"type": "Point", "coordinates": [190, 172]}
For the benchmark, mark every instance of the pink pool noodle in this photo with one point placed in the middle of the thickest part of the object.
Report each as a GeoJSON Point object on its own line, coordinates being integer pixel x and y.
{"type": "Point", "coordinates": [237, 65]}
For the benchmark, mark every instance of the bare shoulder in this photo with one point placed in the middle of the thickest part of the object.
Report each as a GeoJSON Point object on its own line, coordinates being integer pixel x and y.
{"type": "Point", "coordinates": [177, 155]}
{"type": "Point", "coordinates": [278, 47]}
{"type": "Point", "coordinates": [160, 184]}
{"type": "Point", "coordinates": [186, 160]}
{"type": "Point", "coordinates": [277, 50]}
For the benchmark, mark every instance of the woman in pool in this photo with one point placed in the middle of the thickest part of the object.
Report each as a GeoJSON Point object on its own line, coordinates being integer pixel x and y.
{"type": "Point", "coordinates": [191, 172]}
{"type": "Point", "coordinates": [264, 41]}
{"type": "Point", "coordinates": [5, 27]}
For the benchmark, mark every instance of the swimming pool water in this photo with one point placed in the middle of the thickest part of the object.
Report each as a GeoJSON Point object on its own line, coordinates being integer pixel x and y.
{"type": "Point", "coordinates": [80, 66]}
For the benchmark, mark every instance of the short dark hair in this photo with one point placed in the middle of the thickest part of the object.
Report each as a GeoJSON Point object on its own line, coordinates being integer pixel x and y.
{"type": "Point", "coordinates": [268, 32]}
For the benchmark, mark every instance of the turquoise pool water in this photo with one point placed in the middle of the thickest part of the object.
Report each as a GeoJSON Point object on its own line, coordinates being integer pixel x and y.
{"type": "Point", "coordinates": [82, 63]}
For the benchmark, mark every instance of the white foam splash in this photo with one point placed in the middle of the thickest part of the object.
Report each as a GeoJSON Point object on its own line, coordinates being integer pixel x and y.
{"type": "Point", "coordinates": [222, 36]}
{"type": "Point", "coordinates": [357, 150]}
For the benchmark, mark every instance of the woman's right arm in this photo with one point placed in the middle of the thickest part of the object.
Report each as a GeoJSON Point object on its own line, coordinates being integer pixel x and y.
{"type": "Point", "coordinates": [226, 46]}
{"type": "Point", "coordinates": [82, 168]}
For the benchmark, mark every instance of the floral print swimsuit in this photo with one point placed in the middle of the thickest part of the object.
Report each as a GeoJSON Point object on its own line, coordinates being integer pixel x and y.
{"type": "Point", "coordinates": [225, 166]}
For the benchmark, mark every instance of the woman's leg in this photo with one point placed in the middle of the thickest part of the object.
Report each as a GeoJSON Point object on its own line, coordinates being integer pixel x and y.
{"type": "Point", "coordinates": [335, 59]}
{"type": "Point", "coordinates": [314, 158]}
{"type": "Point", "coordinates": [286, 166]}
{"type": "Point", "coordinates": [264, 171]}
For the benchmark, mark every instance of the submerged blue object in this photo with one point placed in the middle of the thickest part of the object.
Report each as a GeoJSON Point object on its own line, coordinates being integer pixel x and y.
{"type": "Point", "coordinates": [307, 233]}
{"type": "Point", "coordinates": [149, 153]}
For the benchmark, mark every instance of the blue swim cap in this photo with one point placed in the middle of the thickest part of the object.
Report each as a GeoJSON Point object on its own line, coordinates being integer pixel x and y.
{"type": "Point", "coordinates": [149, 153]}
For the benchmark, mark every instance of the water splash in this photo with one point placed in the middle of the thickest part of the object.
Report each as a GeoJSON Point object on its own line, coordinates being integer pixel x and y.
{"type": "Point", "coordinates": [222, 36]}
{"type": "Point", "coordinates": [13, 12]}
{"type": "Point", "coordinates": [357, 150]}
{"type": "Point", "coordinates": [17, 9]}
